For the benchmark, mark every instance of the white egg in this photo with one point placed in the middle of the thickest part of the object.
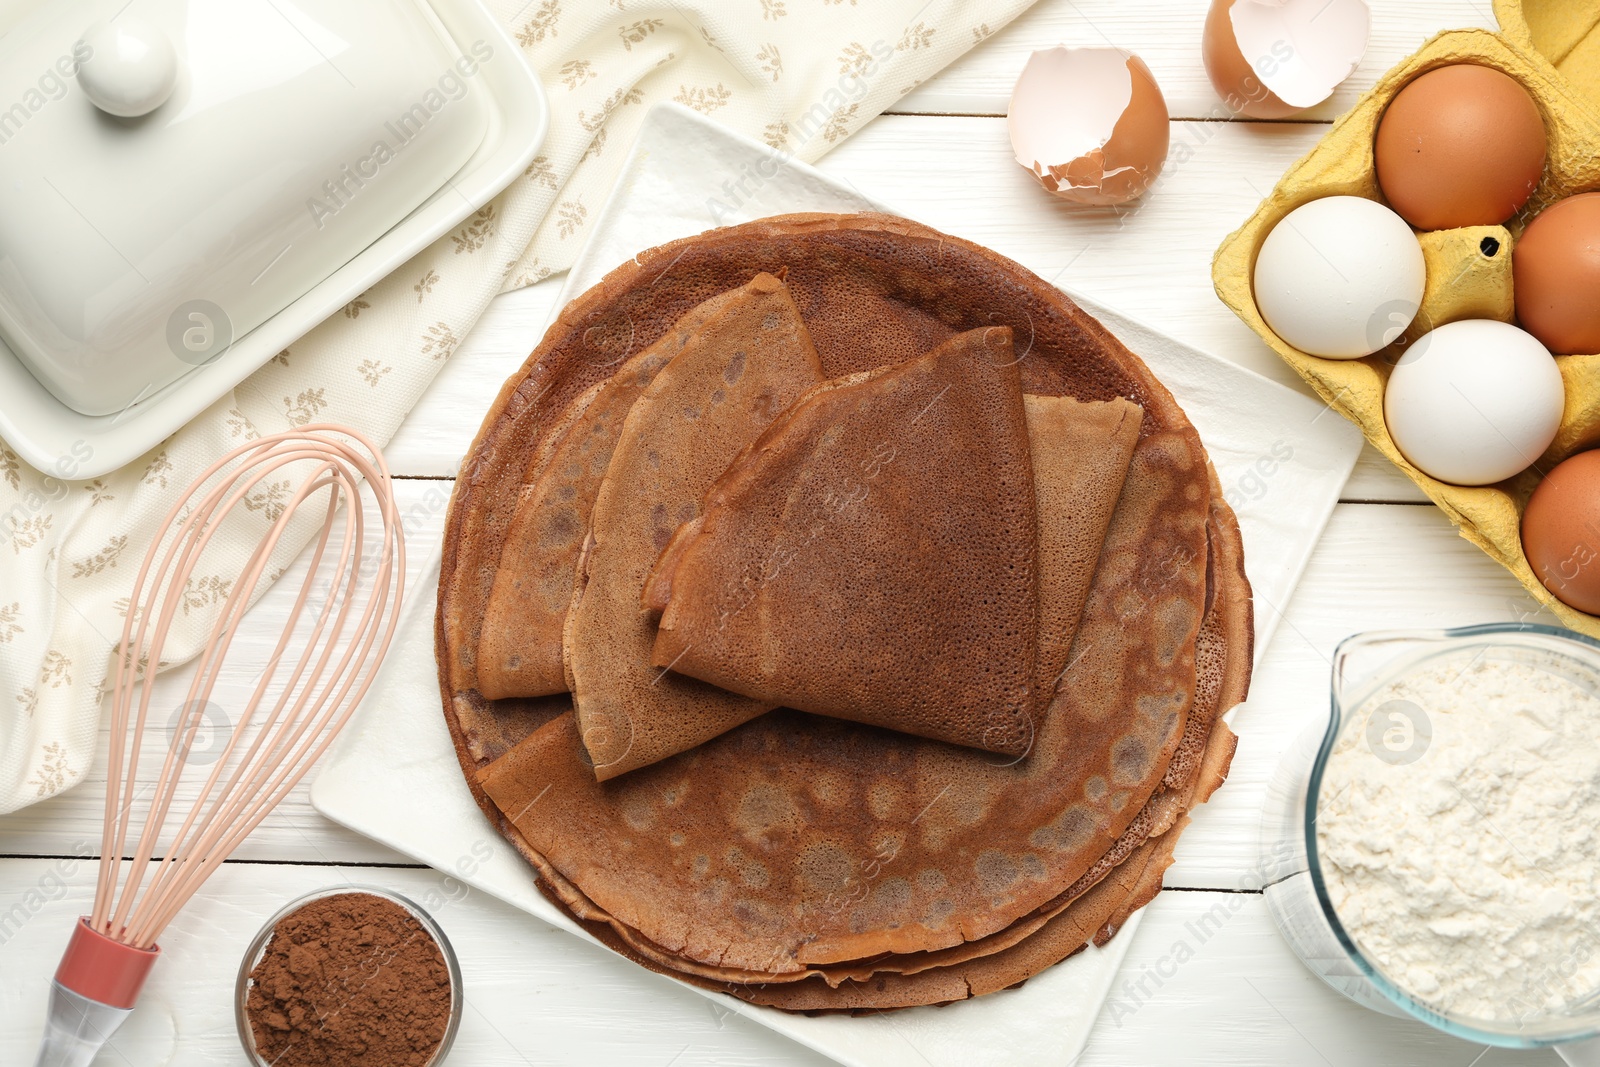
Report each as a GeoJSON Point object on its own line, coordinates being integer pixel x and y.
{"type": "Point", "coordinates": [1474, 402]}
{"type": "Point", "coordinates": [1340, 277]}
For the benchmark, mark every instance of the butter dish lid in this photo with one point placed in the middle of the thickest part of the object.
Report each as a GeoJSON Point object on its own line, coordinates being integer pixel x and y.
{"type": "Point", "coordinates": [173, 173]}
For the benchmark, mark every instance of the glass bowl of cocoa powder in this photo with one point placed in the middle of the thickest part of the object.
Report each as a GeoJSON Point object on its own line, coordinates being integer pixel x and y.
{"type": "Point", "coordinates": [353, 975]}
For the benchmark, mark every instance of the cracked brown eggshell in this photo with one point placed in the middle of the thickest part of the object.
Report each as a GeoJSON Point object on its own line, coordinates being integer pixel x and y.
{"type": "Point", "coordinates": [1089, 123]}
{"type": "Point", "coordinates": [1270, 59]}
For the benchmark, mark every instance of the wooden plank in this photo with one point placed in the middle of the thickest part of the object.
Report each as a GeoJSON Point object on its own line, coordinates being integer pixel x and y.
{"type": "Point", "coordinates": [1378, 567]}
{"type": "Point", "coordinates": [295, 832]}
{"type": "Point", "coordinates": [1209, 981]}
{"type": "Point", "coordinates": [1167, 38]}
{"type": "Point", "coordinates": [536, 995]}
{"type": "Point", "coordinates": [439, 430]}
{"type": "Point", "coordinates": [1151, 260]}
{"type": "Point", "coordinates": [1377, 481]}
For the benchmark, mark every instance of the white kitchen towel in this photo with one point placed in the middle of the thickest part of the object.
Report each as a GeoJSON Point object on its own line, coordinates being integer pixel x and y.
{"type": "Point", "coordinates": [801, 75]}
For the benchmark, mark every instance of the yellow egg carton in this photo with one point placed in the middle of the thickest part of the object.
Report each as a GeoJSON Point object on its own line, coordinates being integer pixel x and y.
{"type": "Point", "coordinates": [1552, 47]}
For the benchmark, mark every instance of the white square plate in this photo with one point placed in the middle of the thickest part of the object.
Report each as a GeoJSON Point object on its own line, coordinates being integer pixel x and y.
{"type": "Point", "coordinates": [393, 775]}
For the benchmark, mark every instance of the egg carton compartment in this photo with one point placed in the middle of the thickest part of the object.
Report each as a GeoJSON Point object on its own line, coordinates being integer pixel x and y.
{"type": "Point", "coordinates": [1552, 48]}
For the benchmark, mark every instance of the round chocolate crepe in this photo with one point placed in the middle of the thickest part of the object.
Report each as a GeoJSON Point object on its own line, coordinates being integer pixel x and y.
{"type": "Point", "coordinates": [742, 853]}
{"type": "Point", "coordinates": [1091, 910]}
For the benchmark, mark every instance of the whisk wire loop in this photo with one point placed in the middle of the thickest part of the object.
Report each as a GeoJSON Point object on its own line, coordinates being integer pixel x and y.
{"type": "Point", "coordinates": [324, 681]}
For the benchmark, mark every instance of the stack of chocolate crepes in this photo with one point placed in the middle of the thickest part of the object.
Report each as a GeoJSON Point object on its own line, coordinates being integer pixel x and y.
{"type": "Point", "coordinates": [837, 616]}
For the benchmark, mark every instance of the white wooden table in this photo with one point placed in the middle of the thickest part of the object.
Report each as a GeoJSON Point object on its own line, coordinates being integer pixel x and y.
{"type": "Point", "coordinates": [1388, 560]}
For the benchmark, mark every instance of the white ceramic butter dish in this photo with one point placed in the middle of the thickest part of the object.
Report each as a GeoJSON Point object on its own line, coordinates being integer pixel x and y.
{"type": "Point", "coordinates": [188, 186]}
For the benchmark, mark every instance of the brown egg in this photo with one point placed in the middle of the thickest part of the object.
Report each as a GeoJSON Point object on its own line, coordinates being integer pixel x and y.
{"type": "Point", "coordinates": [1561, 532]}
{"type": "Point", "coordinates": [1556, 275]}
{"type": "Point", "coordinates": [1460, 146]}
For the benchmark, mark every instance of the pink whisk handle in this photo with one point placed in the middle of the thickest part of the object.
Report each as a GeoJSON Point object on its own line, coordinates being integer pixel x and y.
{"type": "Point", "coordinates": [93, 993]}
{"type": "Point", "coordinates": [104, 970]}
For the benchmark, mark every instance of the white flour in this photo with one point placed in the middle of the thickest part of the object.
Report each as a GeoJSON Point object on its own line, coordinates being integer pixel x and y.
{"type": "Point", "coordinates": [1470, 874]}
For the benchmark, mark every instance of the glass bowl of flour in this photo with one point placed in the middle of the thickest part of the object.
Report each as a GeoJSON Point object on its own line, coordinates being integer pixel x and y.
{"type": "Point", "coordinates": [1433, 850]}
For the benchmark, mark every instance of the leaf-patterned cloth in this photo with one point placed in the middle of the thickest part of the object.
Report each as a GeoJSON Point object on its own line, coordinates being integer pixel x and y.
{"type": "Point", "coordinates": [801, 75]}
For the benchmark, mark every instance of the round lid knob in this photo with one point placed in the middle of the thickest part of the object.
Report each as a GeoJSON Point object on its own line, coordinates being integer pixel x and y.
{"type": "Point", "coordinates": [130, 68]}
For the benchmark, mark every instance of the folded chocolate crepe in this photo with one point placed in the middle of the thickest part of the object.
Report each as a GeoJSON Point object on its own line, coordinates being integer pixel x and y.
{"type": "Point", "coordinates": [1089, 911]}
{"type": "Point", "coordinates": [744, 852]}
{"type": "Point", "coordinates": [519, 649]}
{"type": "Point", "coordinates": [1080, 459]}
{"type": "Point", "coordinates": [871, 557]}
{"type": "Point", "coordinates": [1126, 878]}
{"type": "Point", "coordinates": [741, 360]}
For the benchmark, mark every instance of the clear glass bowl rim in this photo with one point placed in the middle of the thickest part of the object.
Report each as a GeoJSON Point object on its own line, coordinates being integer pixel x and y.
{"type": "Point", "coordinates": [258, 944]}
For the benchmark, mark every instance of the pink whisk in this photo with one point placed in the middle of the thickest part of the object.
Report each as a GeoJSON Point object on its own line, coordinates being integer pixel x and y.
{"type": "Point", "coordinates": [113, 948]}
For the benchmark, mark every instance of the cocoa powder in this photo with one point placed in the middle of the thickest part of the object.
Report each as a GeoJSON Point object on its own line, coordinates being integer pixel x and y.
{"type": "Point", "coordinates": [351, 979]}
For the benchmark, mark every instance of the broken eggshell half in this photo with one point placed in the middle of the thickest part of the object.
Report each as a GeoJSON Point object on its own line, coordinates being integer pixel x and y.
{"type": "Point", "coordinates": [1089, 123]}
{"type": "Point", "coordinates": [1269, 59]}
